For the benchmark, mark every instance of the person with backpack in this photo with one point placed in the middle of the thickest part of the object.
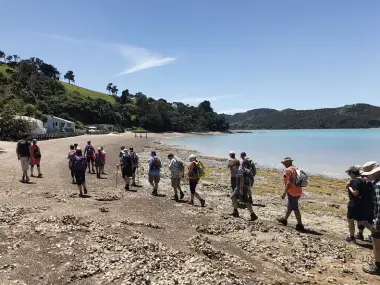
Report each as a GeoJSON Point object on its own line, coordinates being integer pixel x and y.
{"type": "Point", "coordinates": [71, 157]}
{"type": "Point", "coordinates": [135, 165]}
{"type": "Point", "coordinates": [154, 172]}
{"type": "Point", "coordinates": [126, 168]}
{"type": "Point", "coordinates": [103, 159]}
{"type": "Point", "coordinates": [293, 180]}
{"type": "Point", "coordinates": [195, 173]}
{"type": "Point", "coordinates": [177, 169]}
{"type": "Point", "coordinates": [99, 162]}
{"type": "Point", "coordinates": [233, 166]}
{"type": "Point", "coordinates": [35, 158]}
{"type": "Point", "coordinates": [360, 205]}
{"type": "Point", "coordinates": [79, 167]}
{"type": "Point", "coordinates": [89, 152]}
{"type": "Point", "coordinates": [374, 176]}
{"type": "Point", "coordinates": [243, 183]}
{"type": "Point", "coordinates": [23, 155]}
{"type": "Point", "coordinates": [252, 167]}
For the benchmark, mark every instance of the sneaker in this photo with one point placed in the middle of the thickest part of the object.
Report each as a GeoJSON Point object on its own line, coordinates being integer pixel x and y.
{"type": "Point", "coordinates": [181, 195]}
{"type": "Point", "coordinates": [235, 213]}
{"type": "Point", "coordinates": [126, 187]}
{"type": "Point", "coordinates": [81, 194]}
{"type": "Point", "coordinates": [176, 198]}
{"type": "Point", "coordinates": [31, 175]}
{"type": "Point", "coordinates": [154, 192]}
{"type": "Point", "coordinates": [27, 179]}
{"type": "Point", "coordinates": [282, 221]}
{"type": "Point", "coordinates": [85, 190]}
{"type": "Point", "coordinates": [350, 239]}
{"type": "Point", "coordinates": [300, 228]}
{"type": "Point", "coordinates": [39, 175]}
{"type": "Point", "coordinates": [203, 202]}
{"type": "Point", "coordinates": [371, 269]}
{"type": "Point", "coordinates": [191, 202]}
{"type": "Point", "coordinates": [250, 200]}
{"type": "Point", "coordinates": [254, 217]}
{"type": "Point", "coordinates": [359, 236]}
{"type": "Point", "coordinates": [23, 180]}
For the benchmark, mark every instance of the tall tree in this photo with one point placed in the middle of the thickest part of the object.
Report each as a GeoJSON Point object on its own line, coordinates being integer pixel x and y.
{"type": "Point", "coordinates": [109, 88]}
{"type": "Point", "coordinates": [114, 90]}
{"type": "Point", "coordinates": [69, 76]}
{"type": "Point", "coordinates": [2, 55]}
{"type": "Point", "coordinates": [49, 70]}
{"type": "Point", "coordinates": [16, 57]}
{"type": "Point", "coordinates": [9, 58]}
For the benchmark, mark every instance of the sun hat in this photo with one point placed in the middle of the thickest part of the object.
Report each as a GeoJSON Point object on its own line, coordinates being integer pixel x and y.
{"type": "Point", "coordinates": [287, 159]}
{"type": "Point", "coordinates": [231, 152]}
{"type": "Point", "coordinates": [192, 157]}
{"type": "Point", "coordinates": [243, 154]}
{"type": "Point", "coordinates": [153, 153]}
{"type": "Point", "coordinates": [370, 168]}
{"type": "Point", "coordinates": [355, 169]}
{"type": "Point", "coordinates": [100, 148]}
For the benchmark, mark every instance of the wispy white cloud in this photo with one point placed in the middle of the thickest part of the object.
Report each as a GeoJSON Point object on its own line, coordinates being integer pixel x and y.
{"type": "Point", "coordinates": [201, 99]}
{"type": "Point", "coordinates": [233, 111]}
{"type": "Point", "coordinates": [137, 58]}
{"type": "Point", "coordinates": [141, 58]}
{"type": "Point", "coordinates": [61, 38]}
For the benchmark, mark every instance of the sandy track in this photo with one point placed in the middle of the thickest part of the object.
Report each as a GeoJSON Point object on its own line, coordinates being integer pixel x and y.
{"type": "Point", "coordinates": [51, 236]}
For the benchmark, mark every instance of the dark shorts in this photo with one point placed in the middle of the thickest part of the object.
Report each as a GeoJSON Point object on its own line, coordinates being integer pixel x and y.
{"type": "Point", "coordinates": [126, 172]}
{"type": "Point", "coordinates": [134, 170]}
{"type": "Point", "coordinates": [244, 198]}
{"type": "Point", "coordinates": [90, 159]}
{"type": "Point", "coordinates": [233, 183]}
{"type": "Point", "coordinates": [154, 178]}
{"type": "Point", "coordinates": [293, 203]}
{"type": "Point", "coordinates": [193, 185]}
{"type": "Point", "coordinates": [357, 213]}
{"type": "Point", "coordinates": [176, 182]}
{"type": "Point", "coordinates": [80, 177]}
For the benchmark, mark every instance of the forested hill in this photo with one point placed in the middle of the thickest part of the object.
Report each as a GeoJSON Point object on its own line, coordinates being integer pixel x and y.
{"type": "Point", "coordinates": [32, 87]}
{"type": "Point", "coordinates": [349, 116]}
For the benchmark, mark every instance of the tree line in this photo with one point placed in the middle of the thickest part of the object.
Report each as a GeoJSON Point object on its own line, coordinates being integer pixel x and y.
{"type": "Point", "coordinates": [31, 87]}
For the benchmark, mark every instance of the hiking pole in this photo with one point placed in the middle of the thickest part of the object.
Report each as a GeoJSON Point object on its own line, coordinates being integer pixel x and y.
{"type": "Point", "coordinates": [117, 173]}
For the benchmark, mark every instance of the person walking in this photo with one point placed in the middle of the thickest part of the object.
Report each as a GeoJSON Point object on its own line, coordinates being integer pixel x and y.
{"type": "Point", "coordinates": [195, 172]}
{"type": "Point", "coordinates": [233, 166]}
{"type": "Point", "coordinates": [89, 152]}
{"type": "Point", "coordinates": [252, 167]}
{"type": "Point", "coordinates": [292, 192]}
{"type": "Point", "coordinates": [71, 157]}
{"type": "Point", "coordinates": [103, 159]}
{"type": "Point", "coordinates": [23, 155]}
{"type": "Point", "coordinates": [177, 169]}
{"type": "Point", "coordinates": [35, 158]}
{"type": "Point", "coordinates": [79, 167]}
{"type": "Point", "coordinates": [126, 168]}
{"type": "Point", "coordinates": [360, 205]}
{"type": "Point", "coordinates": [244, 180]}
{"type": "Point", "coordinates": [135, 165]}
{"type": "Point", "coordinates": [374, 268]}
{"type": "Point", "coordinates": [155, 166]}
{"type": "Point", "coordinates": [99, 162]}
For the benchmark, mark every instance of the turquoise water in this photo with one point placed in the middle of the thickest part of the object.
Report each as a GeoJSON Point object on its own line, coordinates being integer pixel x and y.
{"type": "Point", "coordinates": [326, 152]}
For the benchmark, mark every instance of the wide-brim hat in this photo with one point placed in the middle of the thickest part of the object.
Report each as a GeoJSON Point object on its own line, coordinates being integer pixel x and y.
{"type": "Point", "coordinates": [370, 168]}
{"type": "Point", "coordinates": [355, 169]}
{"type": "Point", "coordinates": [287, 159]}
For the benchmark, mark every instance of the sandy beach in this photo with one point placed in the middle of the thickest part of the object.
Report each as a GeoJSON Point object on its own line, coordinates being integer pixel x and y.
{"type": "Point", "coordinates": [51, 236]}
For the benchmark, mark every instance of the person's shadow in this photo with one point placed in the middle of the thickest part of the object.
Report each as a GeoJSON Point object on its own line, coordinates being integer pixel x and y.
{"type": "Point", "coordinates": [310, 232]}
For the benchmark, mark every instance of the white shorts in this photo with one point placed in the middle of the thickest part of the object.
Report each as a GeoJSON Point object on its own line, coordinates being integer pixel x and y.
{"type": "Point", "coordinates": [24, 163]}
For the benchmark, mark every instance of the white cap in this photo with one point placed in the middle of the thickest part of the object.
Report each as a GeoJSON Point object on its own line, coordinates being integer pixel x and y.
{"type": "Point", "coordinates": [192, 157]}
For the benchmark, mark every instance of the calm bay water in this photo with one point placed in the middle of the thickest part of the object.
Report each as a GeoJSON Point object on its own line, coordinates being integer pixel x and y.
{"type": "Point", "coordinates": [327, 152]}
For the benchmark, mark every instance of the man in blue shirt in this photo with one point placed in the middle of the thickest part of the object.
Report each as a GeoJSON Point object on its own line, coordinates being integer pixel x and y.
{"type": "Point", "coordinates": [154, 171]}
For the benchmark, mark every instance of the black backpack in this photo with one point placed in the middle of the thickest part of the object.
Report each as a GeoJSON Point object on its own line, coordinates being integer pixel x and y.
{"type": "Point", "coordinates": [251, 166]}
{"type": "Point", "coordinates": [127, 161]}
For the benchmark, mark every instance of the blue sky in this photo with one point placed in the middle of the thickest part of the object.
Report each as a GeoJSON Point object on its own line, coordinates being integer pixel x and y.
{"type": "Point", "coordinates": [240, 54]}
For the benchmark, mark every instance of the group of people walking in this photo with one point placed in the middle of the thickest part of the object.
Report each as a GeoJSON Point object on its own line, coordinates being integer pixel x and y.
{"type": "Point", "coordinates": [363, 188]}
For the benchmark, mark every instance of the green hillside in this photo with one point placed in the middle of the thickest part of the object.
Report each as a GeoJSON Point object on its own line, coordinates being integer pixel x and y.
{"type": "Point", "coordinates": [71, 88]}
{"type": "Point", "coordinates": [349, 116]}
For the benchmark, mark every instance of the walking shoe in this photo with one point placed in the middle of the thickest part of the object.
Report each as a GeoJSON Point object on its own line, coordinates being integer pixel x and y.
{"type": "Point", "coordinates": [371, 269]}
{"type": "Point", "coordinates": [235, 213]}
{"type": "Point", "coordinates": [31, 175]}
{"type": "Point", "coordinates": [154, 192]}
{"type": "Point", "coordinates": [23, 180]}
{"type": "Point", "coordinates": [40, 175]}
{"type": "Point", "coordinates": [176, 198]}
{"type": "Point", "coordinates": [81, 194]}
{"type": "Point", "coordinates": [27, 179]}
{"type": "Point", "coordinates": [254, 217]}
{"type": "Point", "coordinates": [134, 184]}
{"type": "Point", "coordinates": [203, 202]}
{"type": "Point", "coordinates": [359, 236]}
{"type": "Point", "coordinates": [350, 239]}
{"type": "Point", "coordinates": [85, 190]}
{"type": "Point", "coordinates": [250, 200]}
{"type": "Point", "coordinates": [191, 202]}
{"type": "Point", "coordinates": [126, 187]}
{"type": "Point", "coordinates": [181, 195]}
{"type": "Point", "coordinates": [282, 221]}
{"type": "Point", "coordinates": [300, 228]}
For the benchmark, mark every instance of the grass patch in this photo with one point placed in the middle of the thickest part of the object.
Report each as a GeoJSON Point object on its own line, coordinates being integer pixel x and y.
{"type": "Point", "coordinates": [4, 67]}
{"type": "Point", "coordinates": [89, 93]}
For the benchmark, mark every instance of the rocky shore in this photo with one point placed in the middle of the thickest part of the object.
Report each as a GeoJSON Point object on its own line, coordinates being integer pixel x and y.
{"type": "Point", "coordinates": [51, 236]}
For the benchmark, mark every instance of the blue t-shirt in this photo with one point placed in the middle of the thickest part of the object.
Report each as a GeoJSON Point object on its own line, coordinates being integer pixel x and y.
{"type": "Point", "coordinates": [154, 167]}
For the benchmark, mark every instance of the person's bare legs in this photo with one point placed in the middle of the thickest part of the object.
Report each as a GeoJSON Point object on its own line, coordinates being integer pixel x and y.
{"type": "Point", "coordinates": [287, 214]}
{"type": "Point", "coordinates": [134, 178]}
{"type": "Point", "coordinates": [351, 227]}
{"type": "Point", "coordinates": [39, 170]}
{"type": "Point", "coordinates": [297, 213]}
{"type": "Point", "coordinates": [31, 170]}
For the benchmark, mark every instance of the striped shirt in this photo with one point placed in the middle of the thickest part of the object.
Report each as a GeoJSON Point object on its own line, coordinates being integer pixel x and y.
{"type": "Point", "coordinates": [376, 204]}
